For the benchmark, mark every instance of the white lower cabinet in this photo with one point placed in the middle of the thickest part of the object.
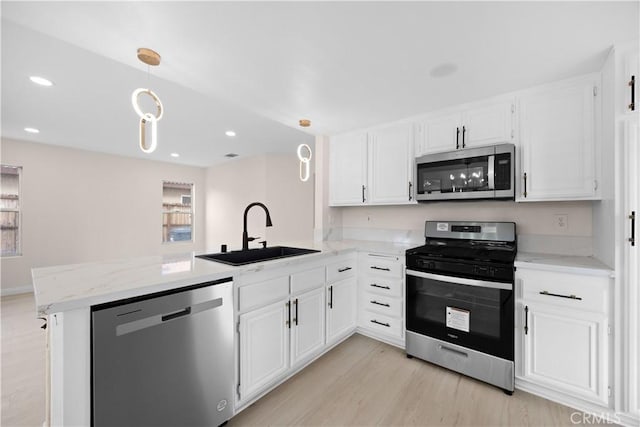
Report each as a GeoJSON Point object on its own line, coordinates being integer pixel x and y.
{"type": "Point", "coordinates": [264, 347]}
{"type": "Point", "coordinates": [286, 320]}
{"type": "Point", "coordinates": [380, 297]}
{"type": "Point", "coordinates": [341, 309]}
{"type": "Point", "coordinates": [307, 329]}
{"type": "Point", "coordinates": [563, 335]}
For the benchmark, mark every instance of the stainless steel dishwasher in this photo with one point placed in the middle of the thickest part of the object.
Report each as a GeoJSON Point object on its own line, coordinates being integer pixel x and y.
{"type": "Point", "coordinates": [164, 359]}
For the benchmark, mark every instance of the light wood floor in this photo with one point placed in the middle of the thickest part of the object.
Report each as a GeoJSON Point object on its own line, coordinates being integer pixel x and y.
{"type": "Point", "coordinates": [361, 382]}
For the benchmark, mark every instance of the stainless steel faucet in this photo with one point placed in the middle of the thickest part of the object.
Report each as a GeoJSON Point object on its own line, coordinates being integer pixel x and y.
{"type": "Point", "coordinates": [245, 236]}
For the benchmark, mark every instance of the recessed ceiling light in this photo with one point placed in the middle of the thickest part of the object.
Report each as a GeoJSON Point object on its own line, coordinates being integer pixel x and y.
{"type": "Point", "coordinates": [41, 81]}
{"type": "Point", "coordinates": [175, 155]}
{"type": "Point", "coordinates": [230, 133]}
{"type": "Point", "coordinates": [31, 130]}
{"type": "Point", "coordinates": [231, 155]}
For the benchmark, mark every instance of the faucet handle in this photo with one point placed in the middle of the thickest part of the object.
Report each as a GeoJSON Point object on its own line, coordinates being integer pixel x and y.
{"type": "Point", "coordinates": [251, 239]}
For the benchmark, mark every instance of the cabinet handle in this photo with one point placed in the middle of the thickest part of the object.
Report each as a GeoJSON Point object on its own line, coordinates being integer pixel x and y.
{"type": "Point", "coordinates": [410, 185]}
{"type": "Point", "coordinates": [560, 295]}
{"type": "Point", "coordinates": [288, 315]}
{"type": "Point", "coordinates": [632, 217]}
{"type": "Point", "coordinates": [464, 130]}
{"type": "Point", "coordinates": [342, 270]}
{"type": "Point", "coordinates": [457, 138]}
{"type": "Point", "coordinates": [379, 286]}
{"type": "Point", "coordinates": [453, 350]}
{"type": "Point", "coordinates": [381, 323]}
{"type": "Point", "coordinates": [632, 84]}
{"type": "Point", "coordinates": [526, 319]}
{"type": "Point", "coordinates": [331, 297]}
{"type": "Point", "coordinates": [295, 319]}
{"type": "Point", "coordinates": [363, 199]}
{"type": "Point", "coordinates": [379, 303]}
{"type": "Point", "coordinates": [380, 268]}
{"type": "Point", "coordinates": [525, 185]}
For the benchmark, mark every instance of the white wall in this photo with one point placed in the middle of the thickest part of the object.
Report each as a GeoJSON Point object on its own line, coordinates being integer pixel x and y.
{"type": "Point", "coordinates": [80, 206]}
{"type": "Point", "coordinates": [271, 179]}
{"type": "Point", "coordinates": [530, 218]}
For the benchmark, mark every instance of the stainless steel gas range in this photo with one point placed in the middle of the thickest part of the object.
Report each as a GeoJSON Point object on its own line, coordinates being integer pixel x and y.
{"type": "Point", "coordinates": [459, 299]}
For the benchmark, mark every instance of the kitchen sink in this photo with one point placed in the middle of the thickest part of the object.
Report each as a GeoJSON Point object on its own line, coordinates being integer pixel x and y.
{"type": "Point", "coordinates": [250, 256]}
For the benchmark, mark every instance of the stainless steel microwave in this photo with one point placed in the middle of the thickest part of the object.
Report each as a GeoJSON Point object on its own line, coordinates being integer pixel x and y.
{"type": "Point", "coordinates": [467, 174]}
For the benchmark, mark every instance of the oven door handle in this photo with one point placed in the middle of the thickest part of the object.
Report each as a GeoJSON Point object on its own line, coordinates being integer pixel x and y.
{"type": "Point", "coordinates": [461, 280]}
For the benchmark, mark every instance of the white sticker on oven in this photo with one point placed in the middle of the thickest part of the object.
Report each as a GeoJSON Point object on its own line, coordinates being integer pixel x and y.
{"type": "Point", "coordinates": [442, 226]}
{"type": "Point", "coordinates": [458, 318]}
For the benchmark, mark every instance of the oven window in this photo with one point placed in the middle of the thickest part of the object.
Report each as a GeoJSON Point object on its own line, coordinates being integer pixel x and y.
{"type": "Point", "coordinates": [476, 317]}
{"type": "Point", "coordinates": [440, 302]}
{"type": "Point", "coordinates": [451, 176]}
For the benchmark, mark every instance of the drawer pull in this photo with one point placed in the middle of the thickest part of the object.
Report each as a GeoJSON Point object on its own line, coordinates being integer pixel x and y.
{"type": "Point", "coordinates": [453, 350]}
{"type": "Point", "coordinates": [526, 319]}
{"type": "Point", "coordinates": [381, 323]}
{"type": "Point", "coordinates": [380, 268]}
{"type": "Point", "coordinates": [379, 286]}
{"type": "Point", "coordinates": [342, 270]}
{"type": "Point", "coordinates": [380, 303]}
{"type": "Point", "coordinates": [560, 295]}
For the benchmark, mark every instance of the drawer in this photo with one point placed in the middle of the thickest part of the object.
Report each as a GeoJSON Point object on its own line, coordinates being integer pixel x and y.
{"type": "Point", "coordinates": [341, 270]}
{"type": "Point", "coordinates": [306, 280]}
{"type": "Point", "coordinates": [582, 292]}
{"type": "Point", "coordinates": [383, 324]}
{"type": "Point", "coordinates": [259, 294]}
{"type": "Point", "coordinates": [382, 304]}
{"type": "Point", "coordinates": [382, 286]}
{"type": "Point", "coordinates": [382, 267]}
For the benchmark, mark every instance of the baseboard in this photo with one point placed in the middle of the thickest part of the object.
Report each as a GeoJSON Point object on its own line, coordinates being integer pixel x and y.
{"type": "Point", "coordinates": [378, 337]}
{"type": "Point", "coordinates": [5, 292]}
{"type": "Point", "coordinates": [599, 412]}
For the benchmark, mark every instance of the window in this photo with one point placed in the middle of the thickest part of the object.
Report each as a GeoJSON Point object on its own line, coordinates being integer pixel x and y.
{"type": "Point", "coordinates": [10, 209]}
{"type": "Point", "coordinates": [177, 212]}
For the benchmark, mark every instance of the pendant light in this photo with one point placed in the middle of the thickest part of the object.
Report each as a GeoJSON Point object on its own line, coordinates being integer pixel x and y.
{"type": "Point", "coordinates": [304, 157]}
{"type": "Point", "coordinates": [150, 58]}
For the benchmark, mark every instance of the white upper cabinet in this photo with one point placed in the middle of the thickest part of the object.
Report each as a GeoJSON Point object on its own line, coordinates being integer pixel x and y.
{"type": "Point", "coordinates": [391, 165]}
{"type": "Point", "coordinates": [348, 169]}
{"type": "Point", "coordinates": [557, 141]}
{"type": "Point", "coordinates": [470, 126]}
{"type": "Point", "coordinates": [372, 168]}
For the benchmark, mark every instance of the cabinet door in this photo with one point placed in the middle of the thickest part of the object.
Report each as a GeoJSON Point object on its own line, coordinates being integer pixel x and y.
{"type": "Point", "coordinates": [567, 351]}
{"type": "Point", "coordinates": [307, 330]}
{"type": "Point", "coordinates": [264, 347]}
{"type": "Point", "coordinates": [341, 308]}
{"type": "Point", "coordinates": [489, 124]}
{"type": "Point", "coordinates": [390, 164]}
{"type": "Point", "coordinates": [440, 133]}
{"type": "Point", "coordinates": [558, 145]}
{"type": "Point", "coordinates": [348, 169]}
{"type": "Point", "coordinates": [631, 133]}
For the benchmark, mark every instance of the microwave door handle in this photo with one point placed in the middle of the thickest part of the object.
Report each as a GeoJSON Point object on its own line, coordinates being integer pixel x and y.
{"type": "Point", "coordinates": [491, 171]}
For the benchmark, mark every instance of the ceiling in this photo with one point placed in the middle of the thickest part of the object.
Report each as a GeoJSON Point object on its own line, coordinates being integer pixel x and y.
{"type": "Point", "coordinates": [258, 67]}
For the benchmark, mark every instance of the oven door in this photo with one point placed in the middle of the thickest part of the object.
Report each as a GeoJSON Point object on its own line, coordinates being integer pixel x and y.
{"type": "Point", "coordinates": [475, 314]}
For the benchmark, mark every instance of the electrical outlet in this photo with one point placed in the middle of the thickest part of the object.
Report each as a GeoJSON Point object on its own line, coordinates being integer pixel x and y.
{"type": "Point", "coordinates": [561, 222]}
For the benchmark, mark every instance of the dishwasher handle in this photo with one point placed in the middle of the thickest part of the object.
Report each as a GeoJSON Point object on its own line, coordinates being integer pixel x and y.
{"type": "Point", "coordinates": [185, 312]}
{"type": "Point", "coordinates": [147, 322]}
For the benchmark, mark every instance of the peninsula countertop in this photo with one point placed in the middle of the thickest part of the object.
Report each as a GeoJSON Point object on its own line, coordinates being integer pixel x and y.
{"type": "Point", "coordinates": [73, 286]}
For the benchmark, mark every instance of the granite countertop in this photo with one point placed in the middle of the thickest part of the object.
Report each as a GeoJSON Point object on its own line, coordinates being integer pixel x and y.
{"type": "Point", "coordinates": [69, 287]}
{"type": "Point", "coordinates": [563, 263]}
